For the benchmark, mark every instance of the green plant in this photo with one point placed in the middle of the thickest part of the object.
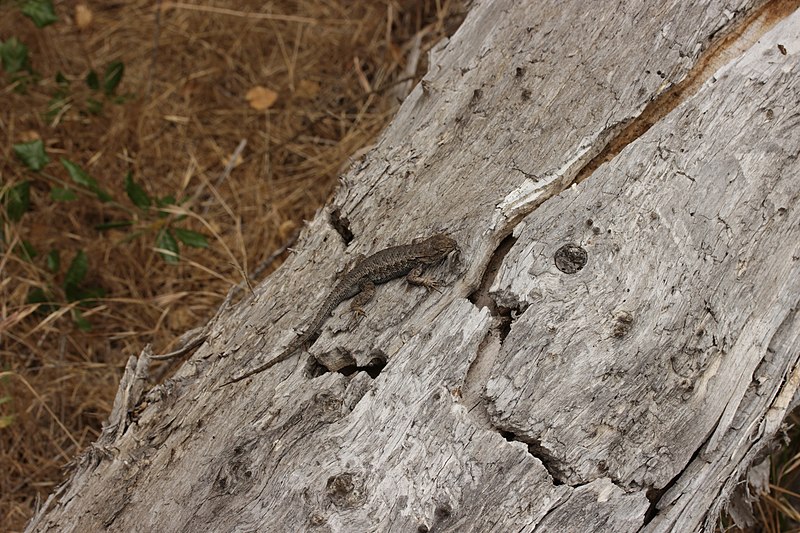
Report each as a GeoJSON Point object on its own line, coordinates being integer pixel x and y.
{"type": "Point", "coordinates": [14, 57]}
{"type": "Point", "coordinates": [16, 63]}
{"type": "Point", "coordinates": [14, 54]}
{"type": "Point", "coordinates": [17, 200]}
{"type": "Point", "coordinates": [41, 12]}
{"type": "Point", "coordinates": [73, 287]}
{"type": "Point", "coordinates": [164, 224]}
{"type": "Point", "coordinates": [104, 90]}
{"type": "Point", "coordinates": [156, 217]}
{"type": "Point", "coordinates": [111, 79]}
{"type": "Point", "coordinates": [148, 215]}
{"type": "Point", "coordinates": [5, 420]}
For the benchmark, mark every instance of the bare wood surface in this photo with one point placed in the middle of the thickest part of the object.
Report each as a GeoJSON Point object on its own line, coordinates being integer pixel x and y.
{"type": "Point", "coordinates": [629, 395]}
{"type": "Point", "coordinates": [657, 364]}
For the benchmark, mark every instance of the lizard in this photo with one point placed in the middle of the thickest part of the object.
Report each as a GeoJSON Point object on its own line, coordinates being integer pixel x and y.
{"type": "Point", "coordinates": [359, 282]}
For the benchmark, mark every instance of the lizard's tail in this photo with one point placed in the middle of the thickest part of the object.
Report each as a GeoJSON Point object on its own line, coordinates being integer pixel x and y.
{"type": "Point", "coordinates": [285, 354]}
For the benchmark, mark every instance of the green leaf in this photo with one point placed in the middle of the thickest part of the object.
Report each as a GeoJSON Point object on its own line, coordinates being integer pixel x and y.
{"type": "Point", "coordinates": [164, 201]}
{"type": "Point", "coordinates": [121, 99]}
{"type": "Point", "coordinates": [53, 260]}
{"type": "Point", "coordinates": [6, 421]}
{"type": "Point", "coordinates": [40, 12]}
{"type": "Point", "coordinates": [92, 80]}
{"type": "Point", "coordinates": [62, 194]}
{"type": "Point", "coordinates": [75, 293]}
{"type": "Point", "coordinates": [80, 177]}
{"type": "Point", "coordinates": [136, 193]}
{"type": "Point", "coordinates": [94, 107]}
{"type": "Point", "coordinates": [37, 295]}
{"type": "Point", "coordinates": [18, 200]}
{"type": "Point", "coordinates": [191, 238]}
{"type": "Point", "coordinates": [54, 106]}
{"type": "Point", "coordinates": [32, 154]}
{"type": "Point", "coordinates": [81, 322]}
{"type": "Point", "coordinates": [132, 236]}
{"type": "Point", "coordinates": [26, 251]}
{"type": "Point", "coordinates": [166, 241]}
{"type": "Point", "coordinates": [14, 55]}
{"type": "Point", "coordinates": [113, 224]}
{"type": "Point", "coordinates": [77, 270]}
{"type": "Point", "coordinates": [20, 82]}
{"type": "Point", "coordinates": [62, 91]}
{"type": "Point", "coordinates": [112, 77]}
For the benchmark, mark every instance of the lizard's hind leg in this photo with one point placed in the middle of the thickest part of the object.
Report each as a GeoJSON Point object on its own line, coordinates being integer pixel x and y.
{"type": "Point", "coordinates": [360, 300]}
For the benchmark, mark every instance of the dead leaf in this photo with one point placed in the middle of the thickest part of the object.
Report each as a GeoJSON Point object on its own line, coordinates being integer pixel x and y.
{"type": "Point", "coordinates": [83, 16]}
{"type": "Point", "coordinates": [307, 89]}
{"type": "Point", "coordinates": [261, 98]}
{"type": "Point", "coordinates": [29, 135]}
{"type": "Point", "coordinates": [286, 228]}
{"type": "Point", "coordinates": [236, 162]}
{"type": "Point", "coordinates": [179, 318]}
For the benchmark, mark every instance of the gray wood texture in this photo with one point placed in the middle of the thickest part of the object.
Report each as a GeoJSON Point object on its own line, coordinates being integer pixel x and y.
{"type": "Point", "coordinates": [631, 395]}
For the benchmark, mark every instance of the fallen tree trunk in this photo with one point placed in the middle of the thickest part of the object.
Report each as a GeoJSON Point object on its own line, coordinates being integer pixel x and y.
{"type": "Point", "coordinates": [610, 357]}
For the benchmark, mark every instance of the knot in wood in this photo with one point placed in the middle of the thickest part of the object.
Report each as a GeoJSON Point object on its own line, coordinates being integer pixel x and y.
{"type": "Point", "coordinates": [346, 490]}
{"type": "Point", "coordinates": [570, 258]}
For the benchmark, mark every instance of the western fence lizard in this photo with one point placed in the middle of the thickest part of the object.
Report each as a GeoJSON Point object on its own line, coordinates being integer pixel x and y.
{"type": "Point", "coordinates": [407, 260]}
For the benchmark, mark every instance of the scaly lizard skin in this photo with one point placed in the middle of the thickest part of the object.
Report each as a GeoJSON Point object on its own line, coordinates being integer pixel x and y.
{"type": "Point", "coordinates": [407, 260]}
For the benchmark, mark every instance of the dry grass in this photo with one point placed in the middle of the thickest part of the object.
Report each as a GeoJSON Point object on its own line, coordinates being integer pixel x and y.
{"type": "Point", "coordinates": [779, 510]}
{"type": "Point", "coordinates": [337, 68]}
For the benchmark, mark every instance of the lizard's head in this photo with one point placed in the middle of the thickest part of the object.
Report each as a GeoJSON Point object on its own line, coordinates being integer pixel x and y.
{"type": "Point", "coordinates": [436, 247]}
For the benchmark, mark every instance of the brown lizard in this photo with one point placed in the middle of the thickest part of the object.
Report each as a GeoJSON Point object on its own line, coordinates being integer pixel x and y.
{"type": "Point", "coordinates": [390, 263]}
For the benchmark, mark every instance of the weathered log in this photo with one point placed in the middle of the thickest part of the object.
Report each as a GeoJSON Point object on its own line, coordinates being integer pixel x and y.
{"type": "Point", "coordinates": [610, 357]}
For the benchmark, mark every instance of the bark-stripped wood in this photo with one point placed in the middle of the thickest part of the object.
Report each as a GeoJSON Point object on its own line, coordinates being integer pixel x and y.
{"type": "Point", "coordinates": [632, 394]}
{"type": "Point", "coordinates": [656, 364]}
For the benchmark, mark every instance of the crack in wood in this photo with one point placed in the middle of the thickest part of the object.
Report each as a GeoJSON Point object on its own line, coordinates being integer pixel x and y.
{"type": "Point", "coordinates": [341, 224]}
{"type": "Point", "coordinates": [723, 46]}
{"type": "Point", "coordinates": [481, 297]}
{"type": "Point", "coordinates": [373, 368]}
{"type": "Point", "coordinates": [536, 450]}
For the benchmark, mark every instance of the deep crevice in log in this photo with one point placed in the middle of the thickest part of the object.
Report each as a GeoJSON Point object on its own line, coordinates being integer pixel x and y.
{"type": "Point", "coordinates": [341, 224]}
{"type": "Point", "coordinates": [373, 368]}
{"type": "Point", "coordinates": [536, 450]}
{"type": "Point", "coordinates": [481, 297]}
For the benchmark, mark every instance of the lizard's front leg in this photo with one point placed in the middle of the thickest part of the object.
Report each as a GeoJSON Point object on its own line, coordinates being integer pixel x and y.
{"type": "Point", "coordinates": [415, 277]}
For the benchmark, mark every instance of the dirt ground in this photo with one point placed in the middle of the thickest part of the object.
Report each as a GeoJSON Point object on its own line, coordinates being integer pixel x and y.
{"type": "Point", "coordinates": [181, 146]}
